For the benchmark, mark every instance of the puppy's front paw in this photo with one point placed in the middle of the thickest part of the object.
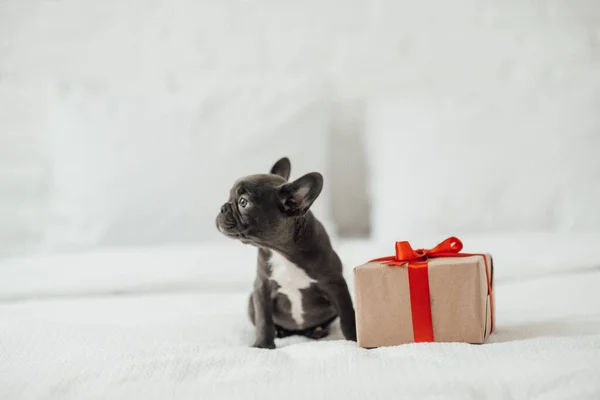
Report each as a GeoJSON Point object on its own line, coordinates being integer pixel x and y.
{"type": "Point", "coordinates": [264, 344]}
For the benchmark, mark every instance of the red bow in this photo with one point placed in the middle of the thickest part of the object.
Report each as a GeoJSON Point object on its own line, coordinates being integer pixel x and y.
{"type": "Point", "coordinates": [405, 253]}
{"type": "Point", "coordinates": [418, 278]}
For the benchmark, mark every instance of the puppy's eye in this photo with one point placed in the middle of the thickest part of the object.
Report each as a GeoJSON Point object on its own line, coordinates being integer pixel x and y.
{"type": "Point", "coordinates": [243, 202]}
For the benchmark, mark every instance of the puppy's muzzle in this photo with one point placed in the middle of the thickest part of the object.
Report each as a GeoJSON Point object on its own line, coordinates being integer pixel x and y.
{"type": "Point", "coordinates": [226, 221]}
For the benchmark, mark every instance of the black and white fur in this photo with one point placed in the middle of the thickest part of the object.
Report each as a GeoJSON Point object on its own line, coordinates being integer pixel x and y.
{"type": "Point", "coordinates": [299, 286]}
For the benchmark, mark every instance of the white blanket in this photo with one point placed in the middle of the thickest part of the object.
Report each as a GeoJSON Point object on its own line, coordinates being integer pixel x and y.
{"type": "Point", "coordinates": [192, 342]}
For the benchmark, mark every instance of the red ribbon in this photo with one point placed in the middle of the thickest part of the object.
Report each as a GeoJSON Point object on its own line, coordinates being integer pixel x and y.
{"type": "Point", "coordinates": [418, 280]}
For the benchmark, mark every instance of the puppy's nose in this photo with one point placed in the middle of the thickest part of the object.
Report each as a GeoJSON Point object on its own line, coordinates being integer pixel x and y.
{"type": "Point", "coordinates": [225, 207]}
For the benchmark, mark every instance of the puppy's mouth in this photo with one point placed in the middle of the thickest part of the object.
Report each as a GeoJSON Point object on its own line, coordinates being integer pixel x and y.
{"type": "Point", "coordinates": [231, 226]}
{"type": "Point", "coordinates": [235, 234]}
{"type": "Point", "coordinates": [228, 227]}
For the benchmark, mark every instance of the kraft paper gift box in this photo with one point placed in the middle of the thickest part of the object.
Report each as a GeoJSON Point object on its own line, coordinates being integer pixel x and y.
{"type": "Point", "coordinates": [437, 295]}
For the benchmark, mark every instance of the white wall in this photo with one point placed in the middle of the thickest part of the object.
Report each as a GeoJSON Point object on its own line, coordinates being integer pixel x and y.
{"type": "Point", "coordinates": [355, 49]}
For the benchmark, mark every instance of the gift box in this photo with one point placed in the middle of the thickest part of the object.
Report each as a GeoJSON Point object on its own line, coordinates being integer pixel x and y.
{"type": "Point", "coordinates": [436, 295]}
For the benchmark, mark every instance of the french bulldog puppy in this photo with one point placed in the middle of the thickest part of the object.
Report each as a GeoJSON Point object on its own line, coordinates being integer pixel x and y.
{"type": "Point", "coordinates": [299, 287]}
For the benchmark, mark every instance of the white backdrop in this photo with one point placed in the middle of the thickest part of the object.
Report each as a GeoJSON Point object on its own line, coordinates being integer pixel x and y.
{"type": "Point", "coordinates": [116, 68]}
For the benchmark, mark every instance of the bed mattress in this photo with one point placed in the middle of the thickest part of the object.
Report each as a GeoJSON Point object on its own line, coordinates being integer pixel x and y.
{"type": "Point", "coordinates": [88, 330]}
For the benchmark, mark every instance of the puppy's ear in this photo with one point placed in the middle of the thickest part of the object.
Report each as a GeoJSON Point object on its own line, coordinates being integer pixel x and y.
{"type": "Point", "coordinates": [282, 168]}
{"type": "Point", "coordinates": [298, 196]}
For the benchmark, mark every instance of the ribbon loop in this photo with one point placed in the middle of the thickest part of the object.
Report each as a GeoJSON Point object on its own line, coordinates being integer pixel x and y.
{"type": "Point", "coordinates": [405, 252]}
{"type": "Point", "coordinates": [450, 245]}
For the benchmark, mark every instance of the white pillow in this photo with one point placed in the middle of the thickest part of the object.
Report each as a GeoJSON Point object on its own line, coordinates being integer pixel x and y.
{"type": "Point", "coordinates": [22, 166]}
{"type": "Point", "coordinates": [444, 164]}
{"type": "Point", "coordinates": [130, 170]}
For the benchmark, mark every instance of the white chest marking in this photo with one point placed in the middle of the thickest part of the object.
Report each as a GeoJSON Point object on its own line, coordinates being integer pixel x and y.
{"type": "Point", "coordinates": [290, 279]}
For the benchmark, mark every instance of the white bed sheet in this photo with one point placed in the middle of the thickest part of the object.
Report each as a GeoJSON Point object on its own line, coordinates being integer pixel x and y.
{"type": "Point", "coordinates": [195, 344]}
